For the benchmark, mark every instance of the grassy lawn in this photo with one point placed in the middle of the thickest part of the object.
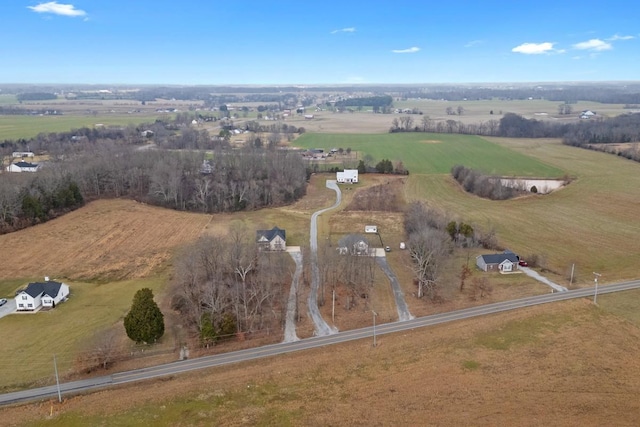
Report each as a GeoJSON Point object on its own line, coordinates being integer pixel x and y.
{"type": "Point", "coordinates": [65, 330]}
{"type": "Point", "coordinates": [425, 153]}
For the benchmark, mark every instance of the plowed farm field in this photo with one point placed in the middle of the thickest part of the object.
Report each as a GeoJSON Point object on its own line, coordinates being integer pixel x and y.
{"type": "Point", "coordinates": [105, 240]}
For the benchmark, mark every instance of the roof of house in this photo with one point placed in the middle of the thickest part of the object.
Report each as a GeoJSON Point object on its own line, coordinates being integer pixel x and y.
{"type": "Point", "coordinates": [26, 165]}
{"type": "Point", "coordinates": [269, 235]}
{"type": "Point", "coordinates": [499, 258]}
{"type": "Point", "coordinates": [50, 288]}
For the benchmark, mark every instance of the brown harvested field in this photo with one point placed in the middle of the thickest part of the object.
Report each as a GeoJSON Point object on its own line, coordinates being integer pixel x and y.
{"type": "Point", "coordinates": [561, 364]}
{"type": "Point", "coordinates": [106, 240]}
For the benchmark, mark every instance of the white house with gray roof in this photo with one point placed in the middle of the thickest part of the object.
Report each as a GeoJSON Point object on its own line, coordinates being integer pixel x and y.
{"type": "Point", "coordinates": [505, 262]}
{"type": "Point", "coordinates": [46, 294]}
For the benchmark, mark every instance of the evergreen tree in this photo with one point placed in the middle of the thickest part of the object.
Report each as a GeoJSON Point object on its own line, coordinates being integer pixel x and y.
{"type": "Point", "coordinates": [144, 323]}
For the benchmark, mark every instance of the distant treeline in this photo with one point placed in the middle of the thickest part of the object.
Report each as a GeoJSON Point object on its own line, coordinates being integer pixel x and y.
{"type": "Point", "coordinates": [17, 111]}
{"type": "Point", "coordinates": [36, 96]}
{"type": "Point", "coordinates": [375, 101]}
{"type": "Point", "coordinates": [606, 94]}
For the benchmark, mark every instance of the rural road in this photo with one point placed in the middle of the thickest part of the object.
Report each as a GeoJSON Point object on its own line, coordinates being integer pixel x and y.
{"type": "Point", "coordinates": [305, 344]}
{"type": "Point", "coordinates": [321, 327]}
{"type": "Point", "coordinates": [401, 304]}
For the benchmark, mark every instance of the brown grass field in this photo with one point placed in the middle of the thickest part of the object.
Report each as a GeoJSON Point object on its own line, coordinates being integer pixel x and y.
{"type": "Point", "coordinates": [562, 364]}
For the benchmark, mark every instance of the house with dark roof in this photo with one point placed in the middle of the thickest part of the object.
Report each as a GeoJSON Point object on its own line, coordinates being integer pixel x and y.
{"type": "Point", "coordinates": [355, 244]}
{"type": "Point", "coordinates": [23, 167]}
{"type": "Point", "coordinates": [45, 294]}
{"type": "Point", "coordinates": [272, 240]}
{"type": "Point", "coordinates": [505, 262]}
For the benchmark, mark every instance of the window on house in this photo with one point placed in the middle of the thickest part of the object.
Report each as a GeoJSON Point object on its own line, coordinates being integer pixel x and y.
{"type": "Point", "coordinates": [24, 297]}
{"type": "Point", "coordinates": [30, 305]}
{"type": "Point", "coordinates": [21, 306]}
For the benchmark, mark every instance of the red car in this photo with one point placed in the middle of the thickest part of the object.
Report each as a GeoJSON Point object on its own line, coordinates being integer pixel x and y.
{"type": "Point", "coordinates": [523, 263]}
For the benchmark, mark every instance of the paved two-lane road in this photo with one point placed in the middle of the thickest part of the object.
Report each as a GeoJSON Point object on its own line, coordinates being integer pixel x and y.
{"type": "Point", "coordinates": [319, 341]}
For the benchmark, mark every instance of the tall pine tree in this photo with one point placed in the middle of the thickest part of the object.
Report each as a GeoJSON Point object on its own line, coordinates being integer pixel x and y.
{"type": "Point", "coordinates": [145, 322]}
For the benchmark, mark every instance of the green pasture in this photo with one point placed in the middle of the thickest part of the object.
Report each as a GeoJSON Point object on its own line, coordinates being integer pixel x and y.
{"type": "Point", "coordinates": [63, 331]}
{"type": "Point", "coordinates": [427, 153]}
{"type": "Point", "coordinates": [592, 222]}
{"type": "Point", "coordinates": [6, 99]}
{"type": "Point", "coordinates": [15, 127]}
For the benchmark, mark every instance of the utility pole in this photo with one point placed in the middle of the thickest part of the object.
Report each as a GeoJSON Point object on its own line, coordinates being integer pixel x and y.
{"type": "Point", "coordinates": [595, 295]}
{"type": "Point", "coordinates": [55, 367]}
{"type": "Point", "coordinates": [333, 307]}
{"type": "Point", "coordinates": [573, 266]}
{"type": "Point", "coordinates": [374, 327]}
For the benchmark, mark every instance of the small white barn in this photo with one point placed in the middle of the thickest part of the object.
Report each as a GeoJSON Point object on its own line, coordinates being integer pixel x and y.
{"type": "Point", "coordinates": [21, 154]}
{"type": "Point", "coordinates": [349, 176]}
{"type": "Point", "coordinates": [371, 229]}
{"type": "Point", "coordinates": [45, 294]}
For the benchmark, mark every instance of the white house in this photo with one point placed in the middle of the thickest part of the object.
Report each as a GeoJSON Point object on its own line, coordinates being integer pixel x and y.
{"type": "Point", "coordinates": [505, 262]}
{"type": "Point", "coordinates": [21, 154]}
{"type": "Point", "coordinates": [349, 176]}
{"type": "Point", "coordinates": [45, 294]}
{"type": "Point", "coordinates": [272, 240]}
{"type": "Point", "coordinates": [23, 167]}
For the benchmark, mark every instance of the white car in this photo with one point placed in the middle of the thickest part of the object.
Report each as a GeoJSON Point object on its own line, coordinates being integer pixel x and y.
{"type": "Point", "coordinates": [3, 301]}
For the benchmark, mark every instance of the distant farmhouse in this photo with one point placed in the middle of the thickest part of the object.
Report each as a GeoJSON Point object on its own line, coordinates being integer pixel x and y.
{"type": "Point", "coordinates": [505, 262]}
{"type": "Point", "coordinates": [22, 154]}
{"type": "Point", "coordinates": [587, 114]}
{"type": "Point", "coordinates": [23, 167]}
{"type": "Point", "coordinates": [46, 294]}
{"type": "Point", "coordinates": [355, 244]}
{"type": "Point", "coordinates": [349, 176]}
{"type": "Point", "coordinates": [272, 240]}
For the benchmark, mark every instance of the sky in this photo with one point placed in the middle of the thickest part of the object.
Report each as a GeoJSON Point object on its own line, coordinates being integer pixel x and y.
{"type": "Point", "coordinates": [298, 42]}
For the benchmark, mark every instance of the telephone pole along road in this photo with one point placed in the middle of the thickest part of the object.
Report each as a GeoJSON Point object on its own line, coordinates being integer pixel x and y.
{"type": "Point", "coordinates": [305, 344]}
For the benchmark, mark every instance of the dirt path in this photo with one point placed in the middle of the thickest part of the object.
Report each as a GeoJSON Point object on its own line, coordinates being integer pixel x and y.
{"type": "Point", "coordinates": [534, 275]}
{"type": "Point", "coordinates": [290, 321]}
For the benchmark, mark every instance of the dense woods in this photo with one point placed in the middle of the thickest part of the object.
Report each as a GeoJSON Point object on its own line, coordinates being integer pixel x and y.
{"type": "Point", "coordinates": [92, 163]}
{"type": "Point", "coordinates": [231, 181]}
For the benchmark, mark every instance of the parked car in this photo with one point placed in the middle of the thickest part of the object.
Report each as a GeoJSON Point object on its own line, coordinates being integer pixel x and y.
{"type": "Point", "coordinates": [523, 263]}
{"type": "Point", "coordinates": [3, 301]}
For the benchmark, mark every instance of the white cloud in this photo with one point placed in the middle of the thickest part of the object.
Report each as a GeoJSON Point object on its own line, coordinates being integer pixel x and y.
{"type": "Point", "coordinates": [535, 48]}
{"type": "Point", "coordinates": [58, 9]}
{"type": "Point", "coordinates": [616, 37]}
{"type": "Point", "coordinates": [344, 30]}
{"type": "Point", "coordinates": [410, 50]}
{"type": "Point", "coordinates": [474, 43]}
{"type": "Point", "coordinates": [593, 44]}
